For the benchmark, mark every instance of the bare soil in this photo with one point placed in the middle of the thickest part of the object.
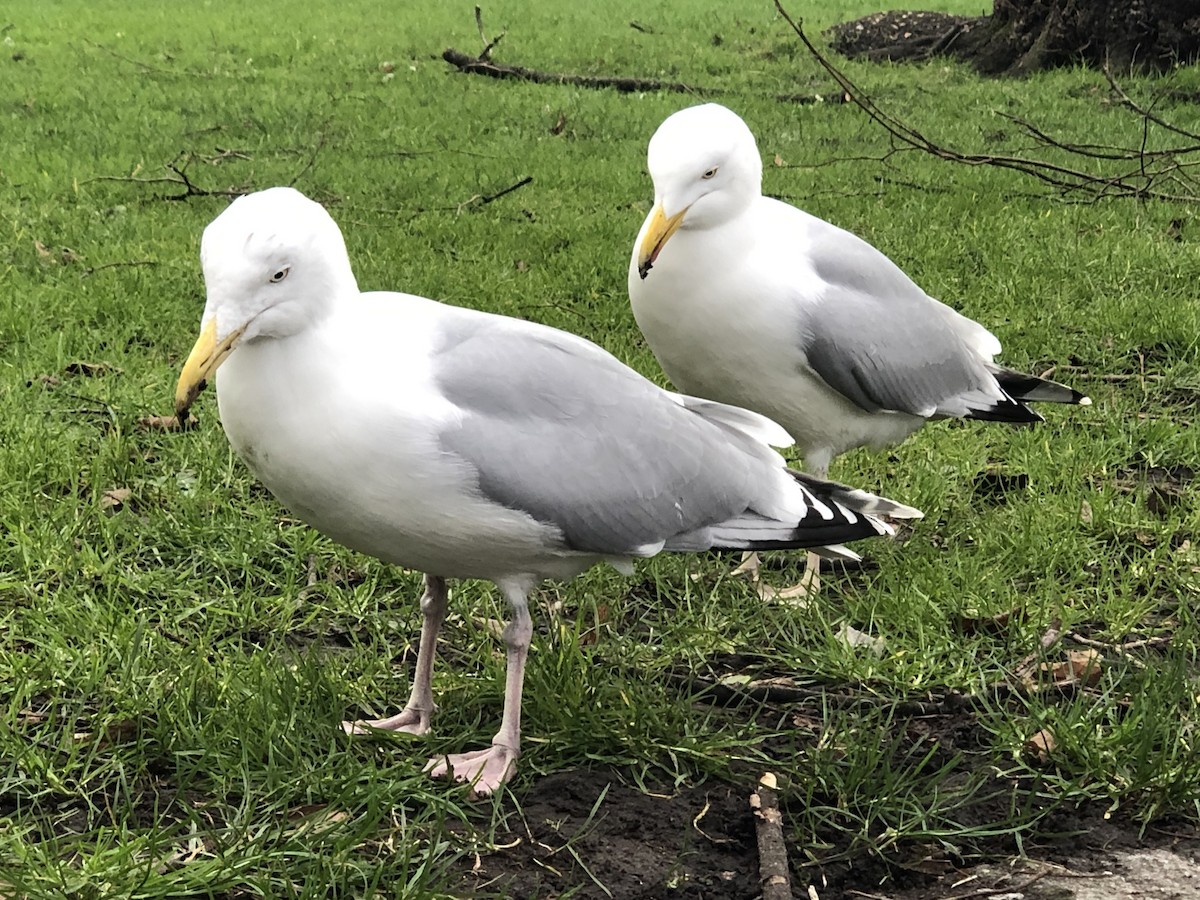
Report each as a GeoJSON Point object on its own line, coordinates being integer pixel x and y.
{"type": "Point", "coordinates": [590, 834]}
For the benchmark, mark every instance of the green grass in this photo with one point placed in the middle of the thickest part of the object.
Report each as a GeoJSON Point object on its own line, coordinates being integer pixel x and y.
{"type": "Point", "coordinates": [172, 685]}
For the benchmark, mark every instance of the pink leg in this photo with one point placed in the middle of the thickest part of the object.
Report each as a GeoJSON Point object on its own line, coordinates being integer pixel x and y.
{"type": "Point", "coordinates": [414, 718]}
{"type": "Point", "coordinates": [486, 770]}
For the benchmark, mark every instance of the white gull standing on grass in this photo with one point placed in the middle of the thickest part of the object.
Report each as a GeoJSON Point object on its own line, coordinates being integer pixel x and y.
{"type": "Point", "coordinates": [470, 445]}
{"type": "Point", "coordinates": [749, 301]}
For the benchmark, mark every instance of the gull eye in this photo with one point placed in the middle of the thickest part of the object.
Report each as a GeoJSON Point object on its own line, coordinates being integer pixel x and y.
{"type": "Point", "coordinates": [280, 275]}
{"type": "Point", "coordinates": [710, 173]}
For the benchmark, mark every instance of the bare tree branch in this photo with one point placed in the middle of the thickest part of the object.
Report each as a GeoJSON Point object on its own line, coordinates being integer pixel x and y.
{"type": "Point", "coordinates": [1139, 182]}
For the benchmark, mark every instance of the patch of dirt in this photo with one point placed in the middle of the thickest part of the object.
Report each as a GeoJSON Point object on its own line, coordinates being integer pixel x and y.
{"type": "Point", "coordinates": [899, 34]}
{"type": "Point", "coordinates": [593, 834]}
{"type": "Point", "coordinates": [1165, 487]}
{"type": "Point", "coordinates": [589, 835]}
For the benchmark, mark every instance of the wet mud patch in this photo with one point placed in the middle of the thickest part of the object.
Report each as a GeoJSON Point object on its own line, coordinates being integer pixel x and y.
{"type": "Point", "coordinates": [592, 835]}
{"type": "Point", "coordinates": [589, 834]}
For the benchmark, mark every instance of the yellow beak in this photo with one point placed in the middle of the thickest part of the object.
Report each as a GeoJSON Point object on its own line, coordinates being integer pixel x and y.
{"type": "Point", "coordinates": [201, 363]}
{"type": "Point", "coordinates": [660, 231]}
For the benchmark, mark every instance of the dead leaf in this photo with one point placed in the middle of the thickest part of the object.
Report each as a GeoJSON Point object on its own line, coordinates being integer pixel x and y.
{"type": "Point", "coordinates": [494, 627]}
{"type": "Point", "coordinates": [322, 811]}
{"type": "Point", "coordinates": [113, 732]}
{"type": "Point", "coordinates": [807, 722]}
{"type": "Point", "coordinates": [855, 638]}
{"type": "Point", "coordinates": [89, 369]}
{"type": "Point", "coordinates": [589, 637]}
{"type": "Point", "coordinates": [115, 498]}
{"type": "Point", "coordinates": [557, 127]}
{"type": "Point", "coordinates": [779, 160]}
{"type": "Point", "coordinates": [1081, 666]}
{"type": "Point", "coordinates": [1085, 512]}
{"type": "Point", "coordinates": [774, 681]}
{"type": "Point", "coordinates": [1041, 745]}
{"type": "Point", "coordinates": [167, 423]}
{"type": "Point", "coordinates": [734, 679]}
{"type": "Point", "coordinates": [996, 624]}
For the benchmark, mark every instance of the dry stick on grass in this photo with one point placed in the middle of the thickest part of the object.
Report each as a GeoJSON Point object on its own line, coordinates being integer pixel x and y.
{"type": "Point", "coordinates": [484, 199]}
{"type": "Point", "coordinates": [179, 178]}
{"type": "Point", "coordinates": [488, 46]}
{"type": "Point", "coordinates": [483, 65]}
{"type": "Point", "coordinates": [1138, 182]}
{"type": "Point", "coordinates": [772, 851]}
{"type": "Point", "coordinates": [178, 167]}
{"type": "Point", "coordinates": [474, 65]}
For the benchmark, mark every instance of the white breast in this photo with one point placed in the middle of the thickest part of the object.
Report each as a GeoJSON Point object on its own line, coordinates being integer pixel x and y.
{"type": "Point", "coordinates": [721, 311]}
{"type": "Point", "coordinates": [342, 424]}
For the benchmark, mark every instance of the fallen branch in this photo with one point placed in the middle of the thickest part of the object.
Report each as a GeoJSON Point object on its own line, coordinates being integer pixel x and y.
{"type": "Point", "coordinates": [488, 46]}
{"type": "Point", "coordinates": [483, 199]}
{"type": "Point", "coordinates": [508, 190]}
{"type": "Point", "coordinates": [178, 177]}
{"type": "Point", "coordinates": [474, 65]}
{"type": "Point", "coordinates": [1145, 113]}
{"type": "Point", "coordinates": [1146, 168]}
{"type": "Point", "coordinates": [312, 159]}
{"type": "Point", "coordinates": [772, 851]}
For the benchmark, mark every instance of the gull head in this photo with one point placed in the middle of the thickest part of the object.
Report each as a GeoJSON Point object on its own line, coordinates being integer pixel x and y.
{"type": "Point", "coordinates": [706, 170]}
{"type": "Point", "coordinates": [274, 262]}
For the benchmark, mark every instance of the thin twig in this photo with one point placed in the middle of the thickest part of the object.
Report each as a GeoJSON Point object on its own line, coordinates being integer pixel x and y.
{"type": "Point", "coordinates": [145, 66]}
{"type": "Point", "coordinates": [1008, 890]}
{"type": "Point", "coordinates": [312, 159]}
{"type": "Point", "coordinates": [1145, 113]}
{"type": "Point", "coordinates": [508, 190]}
{"type": "Point", "coordinates": [484, 199]}
{"type": "Point", "coordinates": [1069, 181]}
{"type": "Point", "coordinates": [488, 46]}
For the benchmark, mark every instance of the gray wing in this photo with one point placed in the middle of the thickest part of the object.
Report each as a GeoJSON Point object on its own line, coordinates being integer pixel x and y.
{"type": "Point", "coordinates": [876, 338]}
{"type": "Point", "coordinates": [558, 428]}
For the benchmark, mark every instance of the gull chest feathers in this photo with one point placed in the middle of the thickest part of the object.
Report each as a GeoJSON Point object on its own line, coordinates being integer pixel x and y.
{"type": "Point", "coordinates": [346, 457]}
{"type": "Point", "coordinates": [751, 354]}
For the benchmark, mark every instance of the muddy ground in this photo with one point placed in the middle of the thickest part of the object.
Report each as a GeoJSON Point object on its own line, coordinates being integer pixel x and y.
{"type": "Point", "coordinates": [591, 834]}
{"type": "Point", "coordinates": [699, 844]}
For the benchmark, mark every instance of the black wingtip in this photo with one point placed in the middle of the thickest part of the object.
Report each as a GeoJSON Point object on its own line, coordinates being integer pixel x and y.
{"type": "Point", "coordinates": [1032, 389]}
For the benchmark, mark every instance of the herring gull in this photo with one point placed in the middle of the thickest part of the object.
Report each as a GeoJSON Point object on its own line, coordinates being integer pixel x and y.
{"type": "Point", "coordinates": [470, 445]}
{"type": "Point", "coordinates": [749, 301]}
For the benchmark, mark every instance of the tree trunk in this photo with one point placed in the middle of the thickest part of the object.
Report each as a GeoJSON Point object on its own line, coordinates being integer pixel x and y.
{"type": "Point", "coordinates": [1023, 36]}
